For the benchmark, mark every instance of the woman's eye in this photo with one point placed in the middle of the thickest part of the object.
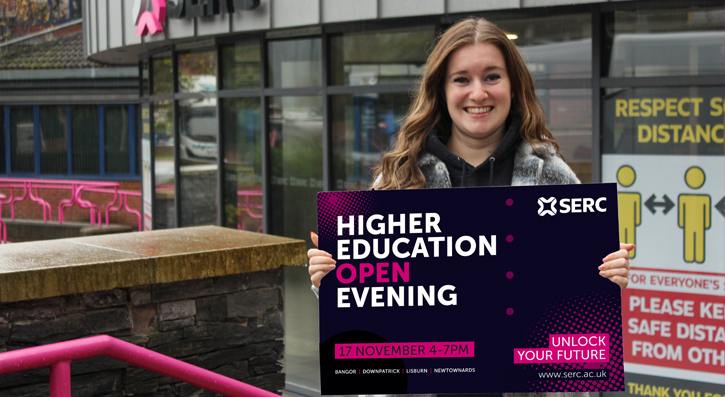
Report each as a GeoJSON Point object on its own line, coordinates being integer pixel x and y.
{"type": "Point", "coordinates": [493, 77]}
{"type": "Point", "coordinates": [460, 80]}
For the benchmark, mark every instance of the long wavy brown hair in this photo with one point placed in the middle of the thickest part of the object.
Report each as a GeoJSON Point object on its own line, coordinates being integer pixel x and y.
{"type": "Point", "coordinates": [398, 168]}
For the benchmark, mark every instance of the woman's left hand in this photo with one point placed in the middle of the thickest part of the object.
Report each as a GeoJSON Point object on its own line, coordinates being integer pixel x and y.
{"type": "Point", "coordinates": [616, 266]}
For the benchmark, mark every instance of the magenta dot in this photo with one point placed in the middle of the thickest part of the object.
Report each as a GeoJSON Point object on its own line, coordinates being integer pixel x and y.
{"type": "Point", "coordinates": [509, 275]}
{"type": "Point", "coordinates": [509, 238]}
{"type": "Point", "coordinates": [509, 311]}
{"type": "Point", "coordinates": [509, 202]}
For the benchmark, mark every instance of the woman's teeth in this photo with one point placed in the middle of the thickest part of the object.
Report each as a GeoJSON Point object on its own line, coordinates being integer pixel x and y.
{"type": "Point", "coordinates": [478, 110]}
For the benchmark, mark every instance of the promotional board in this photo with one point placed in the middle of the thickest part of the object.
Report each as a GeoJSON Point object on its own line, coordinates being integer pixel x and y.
{"type": "Point", "coordinates": [666, 157]}
{"type": "Point", "coordinates": [475, 290]}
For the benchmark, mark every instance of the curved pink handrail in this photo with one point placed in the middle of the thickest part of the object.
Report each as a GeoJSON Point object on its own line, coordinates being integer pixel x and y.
{"type": "Point", "coordinates": [59, 355]}
{"type": "Point", "coordinates": [77, 187]}
{"type": "Point", "coordinates": [3, 226]}
{"type": "Point", "coordinates": [43, 203]}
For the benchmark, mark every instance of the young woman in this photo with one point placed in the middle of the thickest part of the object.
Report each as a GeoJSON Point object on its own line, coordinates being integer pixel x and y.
{"type": "Point", "coordinates": [475, 121]}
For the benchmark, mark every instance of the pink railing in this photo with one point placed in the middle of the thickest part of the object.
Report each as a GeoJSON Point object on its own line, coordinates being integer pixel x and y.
{"type": "Point", "coordinates": [59, 356]}
{"type": "Point", "coordinates": [76, 188]}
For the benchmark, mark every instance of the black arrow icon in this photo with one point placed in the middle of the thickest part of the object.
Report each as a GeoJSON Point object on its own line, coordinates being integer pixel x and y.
{"type": "Point", "coordinates": [651, 204]}
{"type": "Point", "coordinates": [720, 206]}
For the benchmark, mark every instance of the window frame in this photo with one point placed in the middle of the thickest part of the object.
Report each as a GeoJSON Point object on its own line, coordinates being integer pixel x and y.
{"type": "Point", "coordinates": [132, 175]}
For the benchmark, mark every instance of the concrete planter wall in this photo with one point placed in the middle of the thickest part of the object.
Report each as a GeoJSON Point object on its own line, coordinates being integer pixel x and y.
{"type": "Point", "coordinates": [229, 323]}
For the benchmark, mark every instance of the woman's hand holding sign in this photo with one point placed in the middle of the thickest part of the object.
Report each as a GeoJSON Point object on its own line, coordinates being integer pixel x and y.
{"type": "Point", "coordinates": [616, 266]}
{"type": "Point", "coordinates": [320, 262]}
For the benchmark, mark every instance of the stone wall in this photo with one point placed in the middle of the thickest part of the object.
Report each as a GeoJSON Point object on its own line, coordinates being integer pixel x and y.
{"type": "Point", "coordinates": [231, 325]}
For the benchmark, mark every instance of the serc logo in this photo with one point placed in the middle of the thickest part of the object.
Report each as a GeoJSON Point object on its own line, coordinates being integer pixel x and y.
{"type": "Point", "coordinates": [552, 209]}
{"type": "Point", "coordinates": [571, 205]}
{"type": "Point", "coordinates": [149, 21]}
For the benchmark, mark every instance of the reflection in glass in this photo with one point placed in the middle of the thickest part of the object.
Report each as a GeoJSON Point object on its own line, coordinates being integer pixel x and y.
{"type": "Point", "coordinates": [241, 66]}
{"type": "Point", "coordinates": [139, 133]}
{"type": "Point", "coordinates": [164, 161]}
{"type": "Point", "coordinates": [84, 139]}
{"type": "Point", "coordinates": [145, 77]}
{"type": "Point", "coordinates": [556, 47]}
{"type": "Point", "coordinates": [116, 140]}
{"type": "Point", "coordinates": [53, 140]}
{"type": "Point", "coordinates": [295, 63]}
{"type": "Point", "coordinates": [569, 118]}
{"type": "Point", "coordinates": [663, 121]}
{"type": "Point", "coordinates": [668, 43]}
{"type": "Point", "coordinates": [295, 140]}
{"type": "Point", "coordinates": [22, 140]}
{"type": "Point", "coordinates": [163, 76]}
{"type": "Point", "coordinates": [198, 150]}
{"type": "Point", "coordinates": [362, 127]}
{"type": "Point", "coordinates": [243, 164]}
{"type": "Point", "coordinates": [383, 57]}
{"type": "Point", "coordinates": [197, 72]}
{"type": "Point", "coordinates": [2, 141]}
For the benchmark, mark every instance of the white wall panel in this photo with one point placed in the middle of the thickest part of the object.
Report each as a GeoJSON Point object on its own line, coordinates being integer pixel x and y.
{"type": "Point", "coordinates": [348, 10]}
{"type": "Point", "coordinates": [545, 3]}
{"type": "Point", "coordinates": [129, 24]}
{"type": "Point", "coordinates": [102, 26]}
{"type": "Point", "coordinates": [404, 8]}
{"type": "Point", "coordinates": [217, 24]}
{"type": "Point", "coordinates": [93, 26]}
{"type": "Point", "coordinates": [455, 6]}
{"type": "Point", "coordinates": [115, 23]}
{"type": "Point", "coordinates": [288, 13]}
{"type": "Point", "coordinates": [257, 19]}
{"type": "Point", "coordinates": [179, 28]}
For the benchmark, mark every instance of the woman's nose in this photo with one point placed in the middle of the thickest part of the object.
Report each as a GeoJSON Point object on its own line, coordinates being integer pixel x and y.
{"type": "Point", "coordinates": [478, 92]}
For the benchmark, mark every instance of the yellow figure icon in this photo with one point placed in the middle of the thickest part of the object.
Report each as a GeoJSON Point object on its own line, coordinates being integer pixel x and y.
{"type": "Point", "coordinates": [694, 216]}
{"type": "Point", "coordinates": [630, 208]}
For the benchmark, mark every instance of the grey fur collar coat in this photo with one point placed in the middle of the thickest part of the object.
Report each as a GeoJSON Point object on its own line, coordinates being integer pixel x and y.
{"type": "Point", "coordinates": [531, 167]}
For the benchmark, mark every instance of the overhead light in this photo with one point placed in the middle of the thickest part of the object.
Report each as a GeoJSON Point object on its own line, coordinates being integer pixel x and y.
{"type": "Point", "coordinates": [512, 36]}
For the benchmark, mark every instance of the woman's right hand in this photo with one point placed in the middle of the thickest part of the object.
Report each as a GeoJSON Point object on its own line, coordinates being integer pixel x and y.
{"type": "Point", "coordinates": [320, 262]}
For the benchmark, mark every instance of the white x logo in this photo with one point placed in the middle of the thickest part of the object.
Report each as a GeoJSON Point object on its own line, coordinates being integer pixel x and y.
{"type": "Point", "coordinates": [551, 211]}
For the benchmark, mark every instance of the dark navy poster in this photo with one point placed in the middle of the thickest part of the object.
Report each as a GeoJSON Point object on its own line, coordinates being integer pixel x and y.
{"type": "Point", "coordinates": [472, 290]}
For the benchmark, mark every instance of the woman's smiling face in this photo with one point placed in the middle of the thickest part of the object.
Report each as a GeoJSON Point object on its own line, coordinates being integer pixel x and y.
{"type": "Point", "coordinates": [478, 93]}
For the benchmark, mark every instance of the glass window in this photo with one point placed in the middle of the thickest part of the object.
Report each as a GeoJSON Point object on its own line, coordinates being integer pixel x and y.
{"type": "Point", "coordinates": [164, 163]}
{"type": "Point", "coordinates": [116, 139]}
{"type": "Point", "coordinates": [556, 47]}
{"type": "Point", "coordinates": [53, 140]}
{"type": "Point", "coordinates": [163, 76]}
{"type": "Point", "coordinates": [668, 43]}
{"type": "Point", "coordinates": [22, 140]}
{"type": "Point", "coordinates": [241, 66]}
{"type": "Point", "coordinates": [2, 140]}
{"type": "Point", "coordinates": [197, 71]}
{"type": "Point", "coordinates": [663, 120]}
{"type": "Point", "coordinates": [145, 77]}
{"type": "Point", "coordinates": [139, 134]}
{"type": "Point", "coordinates": [198, 148]}
{"type": "Point", "coordinates": [569, 118]}
{"type": "Point", "coordinates": [295, 140]}
{"type": "Point", "coordinates": [295, 63]}
{"type": "Point", "coordinates": [243, 164]}
{"type": "Point", "coordinates": [383, 57]}
{"type": "Point", "coordinates": [84, 139]}
{"type": "Point", "coordinates": [362, 127]}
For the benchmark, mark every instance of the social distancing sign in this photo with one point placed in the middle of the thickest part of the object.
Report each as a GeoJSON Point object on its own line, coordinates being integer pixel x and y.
{"type": "Point", "coordinates": [673, 208]}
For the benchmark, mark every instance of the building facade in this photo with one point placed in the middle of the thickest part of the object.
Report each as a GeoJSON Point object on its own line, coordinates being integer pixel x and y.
{"type": "Point", "coordinates": [249, 108]}
{"type": "Point", "coordinates": [62, 118]}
